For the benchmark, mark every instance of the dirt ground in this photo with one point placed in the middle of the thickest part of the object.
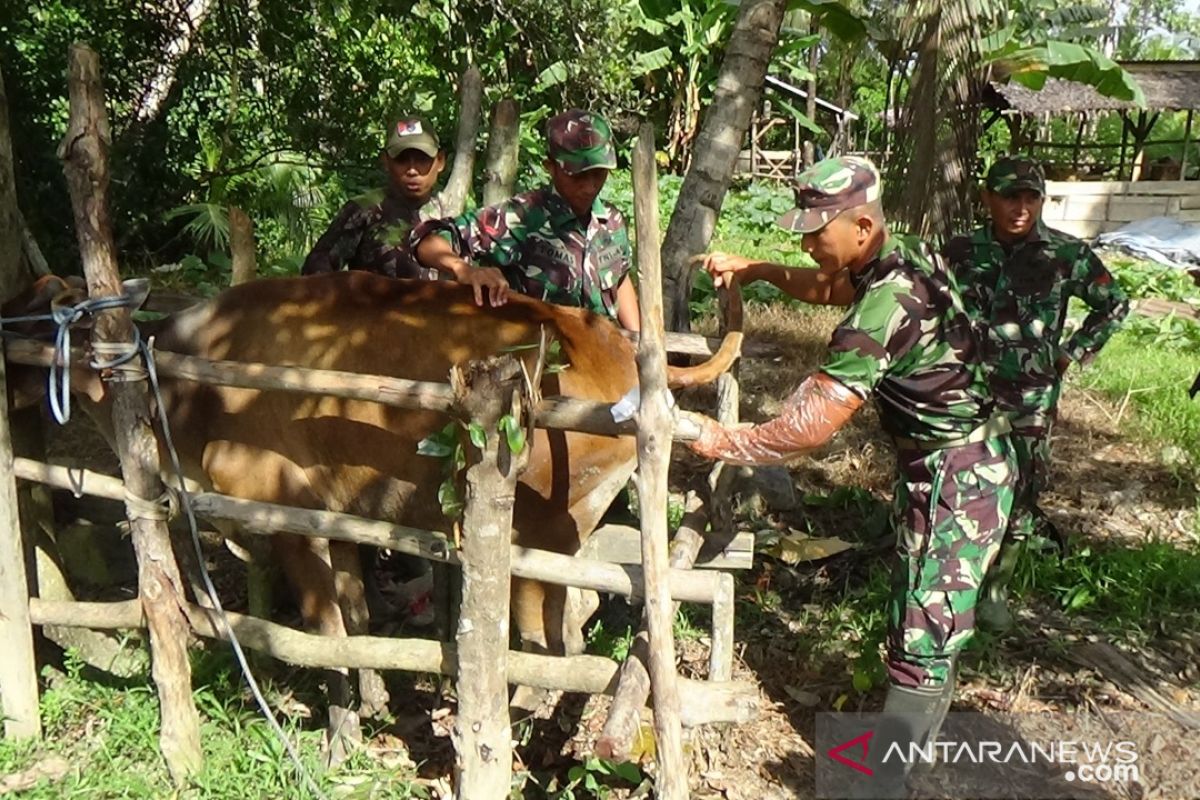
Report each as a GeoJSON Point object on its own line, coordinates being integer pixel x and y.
{"type": "Point", "coordinates": [1107, 487]}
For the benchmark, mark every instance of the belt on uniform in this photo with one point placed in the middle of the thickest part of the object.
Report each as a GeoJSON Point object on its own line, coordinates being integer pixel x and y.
{"type": "Point", "coordinates": [998, 425]}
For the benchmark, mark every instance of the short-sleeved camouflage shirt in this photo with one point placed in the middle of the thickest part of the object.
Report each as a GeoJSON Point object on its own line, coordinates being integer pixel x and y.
{"type": "Point", "coordinates": [908, 341]}
{"type": "Point", "coordinates": [371, 233]}
{"type": "Point", "coordinates": [1018, 296]}
{"type": "Point", "coordinates": [543, 248]}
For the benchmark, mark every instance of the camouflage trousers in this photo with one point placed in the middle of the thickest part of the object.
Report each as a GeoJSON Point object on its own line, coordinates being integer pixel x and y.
{"type": "Point", "coordinates": [950, 511]}
{"type": "Point", "coordinates": [1031, 428]}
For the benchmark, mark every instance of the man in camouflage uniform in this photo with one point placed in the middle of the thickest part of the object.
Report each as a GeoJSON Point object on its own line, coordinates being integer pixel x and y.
{"type": "Point", "coordinates": [907, 342]}
{"type": "Point", "coordinates": [559, 243]}
{"type": "Point", "coordinates": [371, 232]}
{"type": "Point", "coordinates": [1017, 276]}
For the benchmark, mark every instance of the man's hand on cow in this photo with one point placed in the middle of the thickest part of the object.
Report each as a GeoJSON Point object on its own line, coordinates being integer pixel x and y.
{"type": "Point", "coordinates": [487, 281]}
{"type": "Point", "coordinates": [726, 268]}
{"type": "Point", "coordinates": [1061, 364]}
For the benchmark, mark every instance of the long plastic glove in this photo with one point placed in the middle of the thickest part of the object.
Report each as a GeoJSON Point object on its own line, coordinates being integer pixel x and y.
{"type": "Point", "coordinates": [818, 408]}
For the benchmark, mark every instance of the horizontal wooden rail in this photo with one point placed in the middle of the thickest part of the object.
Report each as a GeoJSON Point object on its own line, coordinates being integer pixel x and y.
{"type": "Point", "coordinates": [269, 518]}
{"type": "Point", "coordinates": [558, 413]}
{"type": "Point", "coordinates": [705, 701]}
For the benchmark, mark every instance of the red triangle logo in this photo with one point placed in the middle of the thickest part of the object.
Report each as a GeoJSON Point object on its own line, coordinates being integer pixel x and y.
{"type": "Point", "coordinates": [862, 741]}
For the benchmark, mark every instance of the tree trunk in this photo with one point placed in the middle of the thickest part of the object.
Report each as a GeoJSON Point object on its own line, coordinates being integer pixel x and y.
{"type": "Point", "coordinates": [930, 176]}
{"type": "Point", "coordinates": [504, 144]}
{"type": "Point", "coordinates": [12, 278]}
{"type": "Point", "coordinates": [241, 243]}
{"type": "Point", "coordinates": [739, 89]}
{"type": "Point", "coordinates": [84, 151]}
{"type": "Point", "coordinates": [462, 172]}
{"type": "Point", "coordinates": [189, 17]}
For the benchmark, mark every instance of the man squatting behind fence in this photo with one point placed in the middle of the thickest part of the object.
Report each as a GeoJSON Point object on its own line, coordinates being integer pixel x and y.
{"type": "Point", "coordinates": [1017, 276]}
{"type": "Point", "coordinates": [906, 341]}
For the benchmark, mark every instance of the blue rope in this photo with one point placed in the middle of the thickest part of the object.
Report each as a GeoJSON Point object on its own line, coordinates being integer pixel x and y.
{"type": "Point", "coordinates": [63, 317]}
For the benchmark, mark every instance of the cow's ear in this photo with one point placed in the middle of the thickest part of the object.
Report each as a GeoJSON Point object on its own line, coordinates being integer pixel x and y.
{"type": "Point", "coordinates": [137, 289]}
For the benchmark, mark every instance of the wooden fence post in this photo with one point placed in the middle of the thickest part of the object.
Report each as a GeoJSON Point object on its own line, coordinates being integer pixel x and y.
{"type": "Point", "coordinates": [654, 437]}
{"type": "Point", "coordinates": [84, 152]}
{"type": "Point", "coordinates": [486, 392]}
{"type": "Point", "coordinates": [504, 145]}
{"type": "Point", "coordinates": [18, 671]}
{"type": "Point", "coordinates": [462, 171]}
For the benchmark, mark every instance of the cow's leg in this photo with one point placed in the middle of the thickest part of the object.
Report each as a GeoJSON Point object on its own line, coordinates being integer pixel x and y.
{"type": "Point", "coordinates": [306, 563]}
{"type": "Point", "coordinates": [540, 628]}
{"type": "Point", "coordinates": [347, 572]}
{"type": "Point", "coordinates": [581, 604]}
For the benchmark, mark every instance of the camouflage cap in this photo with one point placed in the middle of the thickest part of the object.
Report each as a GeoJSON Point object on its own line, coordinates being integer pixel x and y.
{"type": "Point", "coordinates": [1011, 174]}
{"type": "Point", "coordinates": [828, 188]}
{"type": "Point", "coordinates": [412, 133]}
{"type": "Point", "coordinates": [579, 141]}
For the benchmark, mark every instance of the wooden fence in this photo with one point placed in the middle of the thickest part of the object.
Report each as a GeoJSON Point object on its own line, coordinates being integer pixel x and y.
{"type": "Point", "coordinates": [481, 659]}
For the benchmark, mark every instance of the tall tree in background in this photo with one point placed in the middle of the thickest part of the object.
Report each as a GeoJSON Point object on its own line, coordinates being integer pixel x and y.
{"type": "Point", "coordinates": [738, 91]}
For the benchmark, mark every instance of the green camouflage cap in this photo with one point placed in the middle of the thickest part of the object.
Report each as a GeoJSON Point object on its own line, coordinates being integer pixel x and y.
{"type": "Point", "coordinates": [828, 188]}
{"type": "Point", "coordinates": [1011, 174]}
{"type": "Point", "coordinates": [581, 140]}
{"type": "Point", "coordinates": [412, 133]}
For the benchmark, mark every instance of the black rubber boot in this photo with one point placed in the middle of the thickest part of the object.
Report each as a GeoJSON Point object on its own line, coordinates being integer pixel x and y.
{"type": "Point", "coordinates": [911, 716]}
{"type": "Point", "coordinates": [991, 610]}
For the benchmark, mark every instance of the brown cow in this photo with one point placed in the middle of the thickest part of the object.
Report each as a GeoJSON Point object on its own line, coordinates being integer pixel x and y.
{"type": "Point", "coordinates": [360, 457]}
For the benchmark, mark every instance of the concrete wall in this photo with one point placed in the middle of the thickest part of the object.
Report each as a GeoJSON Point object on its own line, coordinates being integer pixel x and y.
{"type": "Point", "coordinates": [1088, 208]}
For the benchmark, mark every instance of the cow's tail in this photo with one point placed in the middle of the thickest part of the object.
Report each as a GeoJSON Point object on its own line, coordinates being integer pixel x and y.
{"type": "Point", "coordinates": [727, 353]}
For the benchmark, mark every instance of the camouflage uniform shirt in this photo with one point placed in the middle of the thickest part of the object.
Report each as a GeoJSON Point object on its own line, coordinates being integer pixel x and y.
{"type": "Point", "coordinates": [371, 233]}
{"type": "Point", "coordinates": [544, 250]}
{"type": "Point", "coordinates": [908, 341]}
{"type": "Point", "coordinates": [1017, 296]}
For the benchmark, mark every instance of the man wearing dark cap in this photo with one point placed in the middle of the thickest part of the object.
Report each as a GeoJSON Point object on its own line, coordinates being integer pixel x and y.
{"type": "Point", "coordinates": [559, 243]}
{"type": "Point", "coordinates": [1017, 276]}
{"type": "Point", "coordinates": [907, 342]}
{"type": "Point", "coordinates": [371, 232]}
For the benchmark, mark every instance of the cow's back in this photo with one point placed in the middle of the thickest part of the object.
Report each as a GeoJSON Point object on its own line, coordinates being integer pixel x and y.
{"type": "Point", "coordinates": [360, 457]}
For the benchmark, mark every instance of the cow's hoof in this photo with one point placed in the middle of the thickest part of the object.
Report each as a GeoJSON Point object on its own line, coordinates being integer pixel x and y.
{"type": "Point", "coordinates": [373, 694]}
{"type": "Point", "coordinates": [342, 738]}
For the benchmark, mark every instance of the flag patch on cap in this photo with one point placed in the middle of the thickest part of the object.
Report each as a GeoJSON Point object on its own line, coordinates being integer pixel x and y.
{"type": "Point", "coordinates": [408, 127]}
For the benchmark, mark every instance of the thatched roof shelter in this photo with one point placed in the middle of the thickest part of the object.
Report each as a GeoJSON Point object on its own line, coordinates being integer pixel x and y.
{"type": "Point", "coordinates": [1168, 86]}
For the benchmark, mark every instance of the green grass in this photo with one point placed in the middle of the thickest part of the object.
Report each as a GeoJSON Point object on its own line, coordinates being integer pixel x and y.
{"type": "Point", "coordinates": [109, 736]}
{"type": "Point", "coordinates": [1143, 365]}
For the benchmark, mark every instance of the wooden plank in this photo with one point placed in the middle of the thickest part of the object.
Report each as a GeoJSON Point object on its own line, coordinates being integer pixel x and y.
{"type": "Point", "coordinates": [1188, 216]}
{"type": "Point", "coordinates": [621, 544]}
{"type": "Point", "coordinates": [1190, 201]}
{"type": "Point", "coordinates": [1087, 207]}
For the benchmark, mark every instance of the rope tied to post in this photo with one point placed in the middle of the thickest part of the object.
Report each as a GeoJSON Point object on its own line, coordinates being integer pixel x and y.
{"type": "Point", "coordinates": [119, 355]}
{"type": "Point", "coordinates": [163, 508]}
